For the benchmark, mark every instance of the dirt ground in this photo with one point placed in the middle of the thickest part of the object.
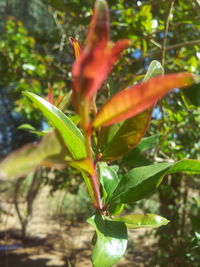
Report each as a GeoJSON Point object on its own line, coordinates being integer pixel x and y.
{"type": "Point", "coordinates": [57, 242]}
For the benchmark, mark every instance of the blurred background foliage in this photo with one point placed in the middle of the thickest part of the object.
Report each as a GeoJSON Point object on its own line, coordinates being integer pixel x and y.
{"type": "Point", "coordinates": [35, 52]}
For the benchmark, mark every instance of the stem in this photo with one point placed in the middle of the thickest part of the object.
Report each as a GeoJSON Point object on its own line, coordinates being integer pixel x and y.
{"type": "Point", "coordinates": [165, 32]}
{"type": "Point", "coordinates": [85, 124]}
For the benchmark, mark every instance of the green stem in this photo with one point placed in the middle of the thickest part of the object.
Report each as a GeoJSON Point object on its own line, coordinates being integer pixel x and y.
{"type": "Point", "coordinates": [85, 124]}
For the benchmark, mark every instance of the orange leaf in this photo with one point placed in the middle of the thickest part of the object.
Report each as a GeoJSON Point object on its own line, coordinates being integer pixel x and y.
{"type": "Point", "coordinates": [137, 98]}
{"type": "Point", "coordinates": [76, 46]}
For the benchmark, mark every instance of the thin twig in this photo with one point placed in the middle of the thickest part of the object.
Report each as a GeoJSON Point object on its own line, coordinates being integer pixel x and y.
{"type": "Point", "coordinates": [165, 32]}
{"type": "Point", "coordinates": [154, 52]}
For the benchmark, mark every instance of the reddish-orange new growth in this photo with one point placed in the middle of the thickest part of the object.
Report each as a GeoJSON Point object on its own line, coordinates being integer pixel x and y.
{"type": "Point", "coordinates": [97, 58]}
{"type": "Point", "coordinates": [129, 102]}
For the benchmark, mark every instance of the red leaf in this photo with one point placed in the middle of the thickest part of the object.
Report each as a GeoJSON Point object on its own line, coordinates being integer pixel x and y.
{"type": "Point", "coordinates": [90, 71]}
{"type": "Point", "coordinates": [97, 58]}
{"type": "Point", "coordinates": [99, 27]}
{"type": "Point", "coordinates": [131, 101]}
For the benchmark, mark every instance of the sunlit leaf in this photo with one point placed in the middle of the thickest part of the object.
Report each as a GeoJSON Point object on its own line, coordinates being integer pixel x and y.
{"type": "Point", "coordinates": [72, 136]}
{"type": "Point", "coordinates": [91, 69]}
{"type": "Point", "coordinates": [142, 220]}
{"type": "Point", "coordinates": [29, 128]}
{"type": "Point", "coordinates": [131, 101]}
{"type": "Point", "coordinates": [139, 182]}
{"type": "Point", "coordinates": [97, 58]}
{"type": "Point", "coordinates": [76, 46]}
{"type": "Point", "coordinates": [111, 241]}
{"type": "Point", "coordinates": [99, 27]}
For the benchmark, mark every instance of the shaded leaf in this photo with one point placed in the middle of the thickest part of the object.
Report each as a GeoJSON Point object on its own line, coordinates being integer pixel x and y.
{"type": "Point", "coordinates": [193, 94]}
{"type": "Point", "coordinates": [50, 150]}
{"type": "Point", "coordinates": [196, 225]}
{"type": "Point", "coordinates": [111, 241]}
{"type": "Point", "coordinates": [116, 140]}
{"type": "Point", "coordinates": [72, 136]}
{"type": "Point", "coordinates": [134, 157]}
{"type": "Point", "coordinates": [130, 102]}
{"type": "Point", "coordinates": [142, 220]}
{"type": "Point", "coordinates": [128, 135]}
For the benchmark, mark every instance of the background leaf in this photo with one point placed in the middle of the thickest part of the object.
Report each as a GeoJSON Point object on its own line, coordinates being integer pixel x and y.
{"type": "Point", "coordinates": [50, 150]}
{"type": "Point", "coordinates": [111, 241]}
{"type": "Point", "coordinates": [193, 94]}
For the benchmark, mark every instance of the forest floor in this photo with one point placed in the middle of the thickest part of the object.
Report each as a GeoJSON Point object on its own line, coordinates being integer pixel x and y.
{"type": "Point", "coordinates": [56, 242]}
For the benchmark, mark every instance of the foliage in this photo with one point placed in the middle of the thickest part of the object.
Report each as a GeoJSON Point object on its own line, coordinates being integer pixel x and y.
{"type": "Point", "coordinates": [126, 115]}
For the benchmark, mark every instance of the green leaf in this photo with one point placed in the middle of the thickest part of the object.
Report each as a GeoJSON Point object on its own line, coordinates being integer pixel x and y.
{"type": "Point", "coordinates": [111, 241]}
{"type": "Point", "coordinates": [108, 178]}
{"type": "Point", "coordinates": [116, 140]}
{"type": "Point", "coordinates": [139, 182]}
{"type": "Point", "coordinates": [142, 220]}
{"type": "Point", "coordinates": [48, 151]}
{"type": "Point", "coordinates": [29, 128]}
{"type": "Point", "coordinates": [155, 69]}
{"type": "Point", "coordinates": [127, 136]}
{"type": "Point", "coordinates": [193, 94]}
{"type": "Point", "coordinates": [115, 208]}
{"type": "Point", "coordinates": [195, 220]}
{"type": "Point", "coordinates": [134, 157]}
{"type": "Point", "coordinates": [72, 136]}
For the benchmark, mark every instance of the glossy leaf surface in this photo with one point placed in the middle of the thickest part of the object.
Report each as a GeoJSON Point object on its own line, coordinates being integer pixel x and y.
{"type": "Point", "coordinates": [109, 179]}
{"type": "Point", "coordinates": [111, 241]}
{"type": "Point", "coordinates": [142, 220]}
{"type": "Point", "coordinates": [72, 136]}
{"type": "Point", "coordinates": [131, 101]}
{"type": "Point", "coordinates": [142, 181]}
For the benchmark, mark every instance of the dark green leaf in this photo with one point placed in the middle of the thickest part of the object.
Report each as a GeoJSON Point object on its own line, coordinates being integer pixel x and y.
{"type": "Point", "coordinates": [111, 241]}
{"type": "Point", "coordinates": [196, 225]}
{"type": "Point", "coordinates": [142, 181]}
{"type": "Point", "coordinates": [134, 157]}
{"type": "Point", "coordinates": [193, 94]}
